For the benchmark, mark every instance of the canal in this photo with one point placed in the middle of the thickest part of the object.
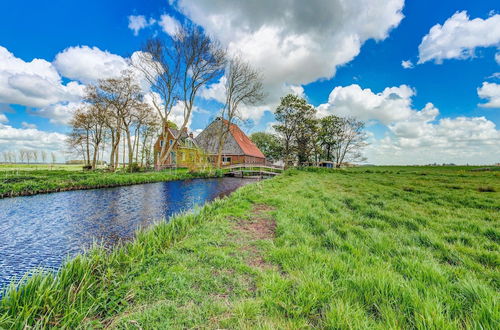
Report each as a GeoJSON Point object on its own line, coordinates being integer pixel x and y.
{"type": "Point", "coordinates": [43, 230]}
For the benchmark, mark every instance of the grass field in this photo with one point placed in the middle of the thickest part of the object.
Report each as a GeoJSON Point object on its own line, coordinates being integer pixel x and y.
{"type": "Point", "coordinates": [33, 179]}
{"type": "Point", "coordinates": [362, 248]}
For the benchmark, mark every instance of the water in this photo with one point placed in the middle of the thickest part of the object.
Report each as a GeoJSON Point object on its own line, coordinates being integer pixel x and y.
{"type": "Point", "coordinates": [42, 230]}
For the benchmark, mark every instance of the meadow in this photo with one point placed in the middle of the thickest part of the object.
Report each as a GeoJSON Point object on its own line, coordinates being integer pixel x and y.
{"type": "Point", "coordinates": [23, 179]}
{"type": "Point", "coordinates": [360, 248]}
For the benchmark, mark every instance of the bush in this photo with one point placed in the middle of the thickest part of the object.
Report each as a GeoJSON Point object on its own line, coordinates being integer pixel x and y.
{"type": "Point", "coordinates": [133, 168]}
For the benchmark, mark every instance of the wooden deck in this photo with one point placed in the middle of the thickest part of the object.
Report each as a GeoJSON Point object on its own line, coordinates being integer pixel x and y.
{"type": "Point", "coordinates": [252, 170]}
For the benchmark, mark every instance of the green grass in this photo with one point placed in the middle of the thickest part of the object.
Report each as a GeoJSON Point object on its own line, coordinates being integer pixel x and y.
{"type": "Point", "coordinates": [29, 180]}
{"type": "Point", "coordinates": [362, 248]}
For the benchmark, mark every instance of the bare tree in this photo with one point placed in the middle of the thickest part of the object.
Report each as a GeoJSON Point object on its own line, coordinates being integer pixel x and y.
{"type": "Point", "coordinates": [201, 61]}
{"type": "Point", "coordinates": [22, 155]}
{"type": "Point", "coordinates": [351, 139]}
{"type": "Point", "coordinates": [122, 95]}
{"type": "Point", "coordinates": [54, 158]}
{"type": "Point", "coordinates": [43, 154]}
{"type": "Point", "coordinates": [160, 64]}
{"type": "Point", "coordinates": [243, 87]}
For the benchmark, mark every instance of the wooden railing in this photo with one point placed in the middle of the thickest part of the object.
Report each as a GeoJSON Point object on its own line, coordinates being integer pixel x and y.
{"type": "Point", "coordinates": [253, 170]}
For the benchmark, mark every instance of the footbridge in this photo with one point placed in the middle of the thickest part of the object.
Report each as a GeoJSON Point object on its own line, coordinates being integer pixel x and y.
{"type": "Point", "coordinates": [252, 170]}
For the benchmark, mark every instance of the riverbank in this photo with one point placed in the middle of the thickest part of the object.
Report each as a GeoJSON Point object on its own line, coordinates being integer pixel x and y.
{"type": "Point", "coordinates": [27, 182]}
{"type": "Point", "coordinates": [358, 248]}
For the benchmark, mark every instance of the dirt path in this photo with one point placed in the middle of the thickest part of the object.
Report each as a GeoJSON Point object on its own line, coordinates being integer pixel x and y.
{"type": "Point", "coordinates": [260, 226]}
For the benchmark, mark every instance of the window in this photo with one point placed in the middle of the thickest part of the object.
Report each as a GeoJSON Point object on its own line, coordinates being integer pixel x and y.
{"type": "Point", "coordinates": [171, 142]}
{"type": "Point", "coordinates": [226, 159]}
{"type": "Point", "coordinates": [161, 143]}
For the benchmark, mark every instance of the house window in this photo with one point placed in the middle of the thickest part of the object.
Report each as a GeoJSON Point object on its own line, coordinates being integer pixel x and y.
{"type": "Point", "coordinates": [171, 142]}
{"type": "Point", "coordinates": [172, 157]}
{"type": "Point", "coordinates": [226, 159]}
{"type": "Point", "coordinates": [161, 143]}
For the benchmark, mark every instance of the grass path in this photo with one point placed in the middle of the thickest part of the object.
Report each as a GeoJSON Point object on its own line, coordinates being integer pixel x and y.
{"type": "Point", "coordinates": [362, 248]}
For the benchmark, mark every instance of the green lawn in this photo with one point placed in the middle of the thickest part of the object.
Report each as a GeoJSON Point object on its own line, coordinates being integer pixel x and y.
{"type": "Point", "coordinates": [28, 180]}
{"type": "Point", "coordinates": [362, 248]}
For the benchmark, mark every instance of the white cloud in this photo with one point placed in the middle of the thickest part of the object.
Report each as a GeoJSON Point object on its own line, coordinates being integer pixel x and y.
{"type": "Point", "coordinates": [415, 136]}
{"type": "Point", "coordinates": [59, 113]}
{"type": "Point", "coordinates": [138, 22]}
{"type": "Point", "coordinates": [88, 64]}
{"type": "Point", "coordinates": [458, 37]}
{"type": "Point", "coordinates": [392, 104]}
{"type": "Point", "coordinates": [3, 118]}
{"type": "Point", "coordinates": [460, 140]}
{"type": "Point", "coordinates": [216, 91]}
{"type": "Point", "coordinates": [169, 24]}
{"type": "Point", "coordinates": [407, 64]}
{"type": "Point", "coordinates": [14, 139]}
{"type": "Point", "coordinates": [28, 125]}
{"type": "Point", "coordinates": [36, 83]}
{"type": "Point", "coordinates": [290, 43]}
{"type": "Point", "coordinates": [490, 92]}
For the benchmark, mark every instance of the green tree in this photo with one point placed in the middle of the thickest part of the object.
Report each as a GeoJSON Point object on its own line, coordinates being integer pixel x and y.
{"type": "Point", "coordinates": [294, 116]}
{"type": "Point", "coordinates": [329, 131]}
{"type": "Point", "coordinates": [268, 143]}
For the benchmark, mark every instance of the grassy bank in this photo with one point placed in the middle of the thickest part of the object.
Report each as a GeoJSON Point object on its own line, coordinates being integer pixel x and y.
{"type": "Point", "coordinates": [360, 248]}
{"type": "Point", "coordinates": [35, 181]}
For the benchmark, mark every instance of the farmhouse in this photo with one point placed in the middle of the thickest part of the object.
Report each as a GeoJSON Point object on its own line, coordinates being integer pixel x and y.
{"type": "Point", "coordinates": [193, 152]}
{"type": "Point", "coordinates": [185, 152]}
{"type": "Point", "coordinates": [237, 148]}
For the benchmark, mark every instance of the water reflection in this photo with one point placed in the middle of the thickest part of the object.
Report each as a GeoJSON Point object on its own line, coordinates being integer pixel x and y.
{"type": "Point", "coordinates": [42, 230]}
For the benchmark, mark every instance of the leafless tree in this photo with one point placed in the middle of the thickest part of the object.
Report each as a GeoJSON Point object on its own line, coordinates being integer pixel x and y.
{"type": "Point", "coordinates": [54, 158]}
{"type": "Point", "coordinates": [243, 87]}
{"type": "Point", "coordinates": [160, 64]}
{"type": "Point", "coordinates": [43, 154]}
{"type": "Point", "coordinates": [22, 155]}
{"type": "Point", "coordinates": [201, 60]}
{"type": "Point", "coordinates": [123, 96]}
{"type": "Point", "coordinates": [80, 137]}
{"type": "Point", "coordinates": [350, 140]}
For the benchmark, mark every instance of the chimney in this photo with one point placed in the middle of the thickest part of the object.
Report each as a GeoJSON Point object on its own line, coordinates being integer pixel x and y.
{"type": "Point", "coordinates": [191, 135]}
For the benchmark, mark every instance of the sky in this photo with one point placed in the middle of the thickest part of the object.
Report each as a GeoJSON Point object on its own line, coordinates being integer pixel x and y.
{"type": "Point", "coordinates": [423, 75]}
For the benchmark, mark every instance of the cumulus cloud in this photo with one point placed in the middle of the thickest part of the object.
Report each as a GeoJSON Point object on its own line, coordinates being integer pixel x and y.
{"type": "Point", "coordinates": [290, 43]}
{"type": "Point", "coordinates": [14, 139]}
{"type": "Point", "coordinates": [28, 125]}
{"type": "Point", "coordinates": [490, 92]}
{"type": "Point", "coordinates": [88, 64]}
{"type": "Point", "coordinates": [424, 140]}
{"type": "Point", "coordinates": [3, 118]}
{"type": "Point", "coordinates": [169, 24]}
{"type": "Point", "coordinates": [59, 113]}
{"type": "Point", "coordinates": [407, 64]}
{"type": "Point", "coordinates": [138, 22]}
{"type": "Point", "coordinates": [35, 84]}
{"type": "Point", "coordinates": [392, 104]}
{"type": "Point", "coordinates": [458, 37]}
{"type": "Point", "coordinates": [414, 136]}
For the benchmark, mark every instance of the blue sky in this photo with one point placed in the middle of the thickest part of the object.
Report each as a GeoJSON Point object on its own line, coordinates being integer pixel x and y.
{"type": "Point", "coordinates": [32, 30]}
